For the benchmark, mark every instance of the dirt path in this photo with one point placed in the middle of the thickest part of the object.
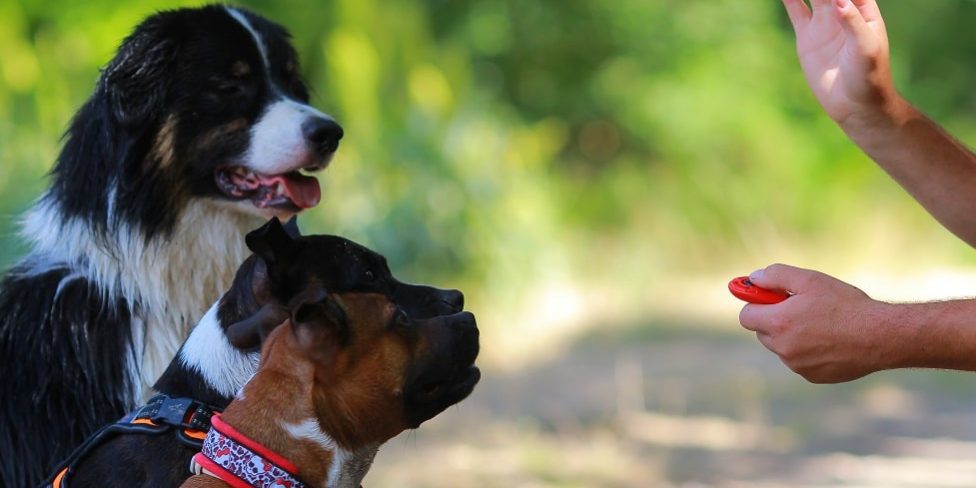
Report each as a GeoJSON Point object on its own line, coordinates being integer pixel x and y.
{"type": "Point", "coordinates": [665, 407]}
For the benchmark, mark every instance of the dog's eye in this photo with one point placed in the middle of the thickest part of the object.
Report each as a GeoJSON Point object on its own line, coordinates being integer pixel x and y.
{"type": "Point", "coordinates": [400, 319]}
{"type": "Point", "coordinates": [228, 89]}
{"type": "Point", "coordinates": [370, 276]}
{"type": "Point", "coordinates": [288, 72]}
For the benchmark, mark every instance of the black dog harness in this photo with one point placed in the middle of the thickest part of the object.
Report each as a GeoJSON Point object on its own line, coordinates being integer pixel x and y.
{"type": "Point", "coordinates": [187, 418]}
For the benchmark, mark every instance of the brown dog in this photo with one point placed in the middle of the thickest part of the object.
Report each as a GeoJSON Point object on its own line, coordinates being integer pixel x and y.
{"type": "Point", "coordinates": [343, 375]}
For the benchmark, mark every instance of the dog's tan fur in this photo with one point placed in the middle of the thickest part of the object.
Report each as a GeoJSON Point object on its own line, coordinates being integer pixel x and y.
{"type": "Point", "coordinates": [351, 390]}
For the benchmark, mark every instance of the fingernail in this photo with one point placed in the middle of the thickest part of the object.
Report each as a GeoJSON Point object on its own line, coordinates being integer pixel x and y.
{"type": "Point", "coordinates": [756, 275]}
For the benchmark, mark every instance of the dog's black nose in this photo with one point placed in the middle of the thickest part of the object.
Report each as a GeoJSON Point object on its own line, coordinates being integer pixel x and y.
{"type": "Point", "coordinates": [467, 321]}
{"type": "Point", "coordinates": [323, 134]}
{"type": "Point", "coordinates": [454, 299]}
{"type": "Point", "coordinates": [467, 334]}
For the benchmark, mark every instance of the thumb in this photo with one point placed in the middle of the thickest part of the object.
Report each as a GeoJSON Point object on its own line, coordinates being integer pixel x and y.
{"type": "Point", "coordinates": [853, 22]}
{"type": "Point", "coordinates": [782, 277]}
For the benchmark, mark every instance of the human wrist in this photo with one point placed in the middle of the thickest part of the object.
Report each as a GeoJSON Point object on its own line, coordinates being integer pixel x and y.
{"type": "Point", "coordinates": [886, 336]}
{"type": "Point", "coordinates": [897, 332]}
{"type": "Point", "coordinates": [883, 115]}
{"type": "Point", "coordinates": [930, 335]}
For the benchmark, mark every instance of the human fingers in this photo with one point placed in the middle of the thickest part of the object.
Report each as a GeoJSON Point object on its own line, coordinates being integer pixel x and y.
{"type": "Point", "coordinates": [760, 319]}
{"type": "Point", "coordinates": [869, 9]}
{"type": "Point", "coordinates": [782, 277]}
{"type": "Point", "coordinates": [746, 318]}
{"type": "Point", "coordinates": [818, 4]}
{"type": "Point", "coordinates": [799, 13]}
{"type": "Point", "coordinates": [853, 22]}
{"type": "Point", "coordinates": [766, 340]}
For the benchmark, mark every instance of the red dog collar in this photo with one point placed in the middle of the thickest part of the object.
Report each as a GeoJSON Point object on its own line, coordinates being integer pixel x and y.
{"type": "Point", "coordinates": [241, 462]}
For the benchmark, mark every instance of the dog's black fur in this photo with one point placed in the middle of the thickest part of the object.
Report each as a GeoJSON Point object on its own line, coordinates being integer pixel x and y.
{"type": "Point", "coordinates": [284, 265]}
{"type": "Point", "coordinates": [177, 153]}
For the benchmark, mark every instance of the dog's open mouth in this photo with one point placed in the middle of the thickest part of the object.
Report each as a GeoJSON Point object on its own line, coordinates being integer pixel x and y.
{"type": "Point", "coordinates": [291, 191]}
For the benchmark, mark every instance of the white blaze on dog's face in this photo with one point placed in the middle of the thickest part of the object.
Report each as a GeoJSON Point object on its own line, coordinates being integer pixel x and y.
{"type": "Point", "coordinates": [279, 140]}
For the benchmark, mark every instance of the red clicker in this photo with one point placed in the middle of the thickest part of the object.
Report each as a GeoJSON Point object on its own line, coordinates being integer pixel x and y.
{"type": "Point", "coordinates": [743, 289]}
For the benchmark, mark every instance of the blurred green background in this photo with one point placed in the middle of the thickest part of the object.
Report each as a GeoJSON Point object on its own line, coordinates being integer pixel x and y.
{"type": "Point", "coordinates": [590, 173]}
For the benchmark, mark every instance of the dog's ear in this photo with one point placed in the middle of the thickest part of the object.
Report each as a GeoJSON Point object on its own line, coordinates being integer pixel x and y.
{"type": "Point", "coordinates": [272, 243]}
{"type": "Point", "coordinates": [291, 227]}
{"type": "Point", "coordinates": [319, 321]}
{"type": "Point", "coordinates": [250, 333]}
{"type": "Point", "coordinates": [135, 81]}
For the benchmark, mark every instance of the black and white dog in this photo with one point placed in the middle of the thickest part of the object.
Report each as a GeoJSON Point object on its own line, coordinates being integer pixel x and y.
{"type": "Point", "coordinates": [198, 130]}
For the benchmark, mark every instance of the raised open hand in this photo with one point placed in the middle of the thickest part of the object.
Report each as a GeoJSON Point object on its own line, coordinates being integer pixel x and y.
{"type": "Point", "coordinates": [843, 49]}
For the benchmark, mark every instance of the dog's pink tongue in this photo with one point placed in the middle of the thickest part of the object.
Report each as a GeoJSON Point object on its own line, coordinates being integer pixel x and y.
{"type": "Point", "coordinates": [302, 190]}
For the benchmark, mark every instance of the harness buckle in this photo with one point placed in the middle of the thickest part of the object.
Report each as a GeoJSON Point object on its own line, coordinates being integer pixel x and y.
{"type": "Point", "coordinates": [200, 420]}
{"type": "Point", "coordinates": [172, 411]}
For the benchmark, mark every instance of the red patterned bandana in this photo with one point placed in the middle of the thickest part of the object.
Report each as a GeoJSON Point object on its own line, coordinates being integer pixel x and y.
{"type": "Point", "coordinates": [241, 462]}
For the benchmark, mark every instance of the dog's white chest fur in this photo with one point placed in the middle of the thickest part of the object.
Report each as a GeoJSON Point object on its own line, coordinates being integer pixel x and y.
{"type": "Point", "coordinates": [168, 283]}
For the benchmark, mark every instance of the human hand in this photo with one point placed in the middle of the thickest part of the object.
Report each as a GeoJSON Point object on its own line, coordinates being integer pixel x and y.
{"type": "Point", "coordinates": [827, 332]}
{"type": "Point", "coordinates": [843, 50]}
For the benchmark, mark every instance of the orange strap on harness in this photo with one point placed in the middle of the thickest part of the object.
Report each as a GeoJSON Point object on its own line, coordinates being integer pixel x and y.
{"type": "Point", "coordinates": [188, 418]}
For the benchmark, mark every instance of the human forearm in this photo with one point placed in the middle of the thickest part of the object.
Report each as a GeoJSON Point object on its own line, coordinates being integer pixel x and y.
{"type": "Point", "coordinates": [829, 331]}
{"type": "Point", "coordinates": [935, 168]}
{"type": "Point", "coordinates": [928, 335]}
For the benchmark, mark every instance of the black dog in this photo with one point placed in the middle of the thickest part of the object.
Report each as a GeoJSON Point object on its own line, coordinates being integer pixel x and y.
{"type": "Point", "coordinates": [197, 132]}
{"type": "Point", "coordinates": [221, 354]}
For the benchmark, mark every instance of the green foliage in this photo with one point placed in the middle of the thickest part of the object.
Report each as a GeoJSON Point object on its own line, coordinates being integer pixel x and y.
{"type": "Point", "coordinates": [504, 142]}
